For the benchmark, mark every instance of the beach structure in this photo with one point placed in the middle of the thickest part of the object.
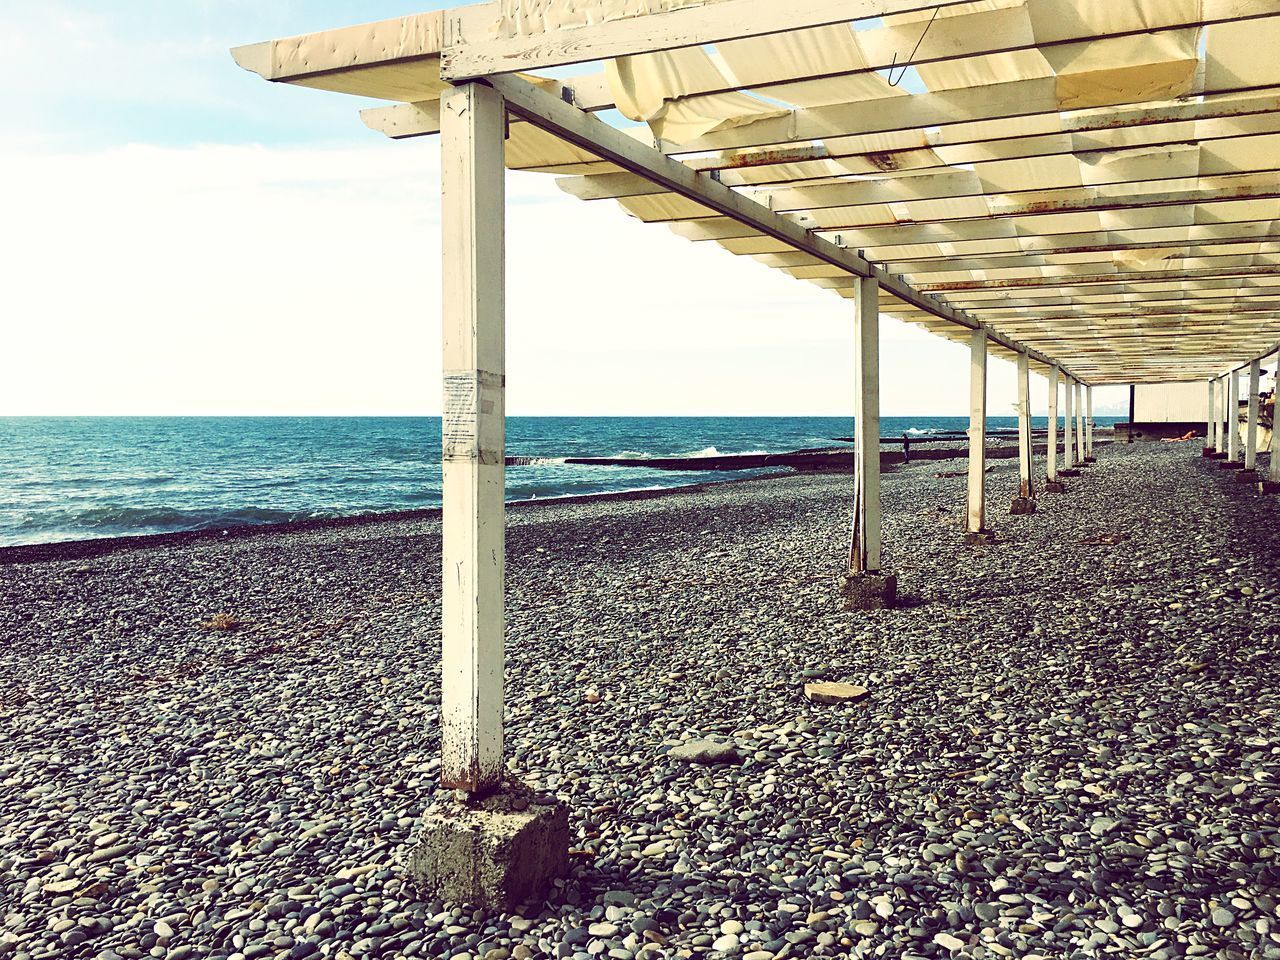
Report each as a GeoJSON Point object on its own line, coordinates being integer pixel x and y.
{"type": "Point", "coordinates": [1087, 189]}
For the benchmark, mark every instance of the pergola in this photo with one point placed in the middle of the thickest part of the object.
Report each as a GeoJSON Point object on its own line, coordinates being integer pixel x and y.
{"type": "Point", "coordinates": [1086, 187]}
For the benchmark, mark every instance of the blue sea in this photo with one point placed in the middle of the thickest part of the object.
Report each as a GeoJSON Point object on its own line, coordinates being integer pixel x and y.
{"type": "Point", "coordinates": [74, 478]}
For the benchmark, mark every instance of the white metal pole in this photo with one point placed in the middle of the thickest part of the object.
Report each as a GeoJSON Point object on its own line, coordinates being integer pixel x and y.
{"type": "Point", "coordinates": [977, 431]}
{"type": "Point", "coordinates": [864, 554]}
{"type": "Point", "coordinates": [1088, 443]}
{"type": "Point", "coordinates": [1251, 430]}
{"type": "Point", "coordinates": [1024, 427]}
{"type": "Point", "coordinates": [1051, 462]}
{"type": "Point", "coordinates": [1068, 425]}
{"type": "Point", "coordinates": [1233, 416]}
{"type": "Point", "coordinates": [472, 124]}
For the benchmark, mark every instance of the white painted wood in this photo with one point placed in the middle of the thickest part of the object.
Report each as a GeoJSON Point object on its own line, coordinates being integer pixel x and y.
{"type": "Point", "coordinates": [1025, 456]}
{"type": "Point", "coordinates": [473, 124]}
{"type": "Point", "coordinates": [551, 113]}
{"type": "Point", "coordinates": [1251, 430]}
{"type": "Point", "coordinates": [1273, 471]}
{"type": "Point", "coordinates": [1088, 423]}
{"type": "Point", "coordinates": [1080, 451]}
{"type": "Point", "coordinates": [1220, 415]}
{"type": "Point", "coordinates": [1051, 461]}
{"type": "Point", "coordinates": [474, 49]}
{"type": "Point", "coordinates": [1233, 416]}
{"type": "Point", "coordinates": [1068, 425]}
{"type": "Point", "coordinates": [864, 556]}
{"type": "Point", "coordinates": [1210, 421]}
{"type": "Point", "coordinates": [977, 431]}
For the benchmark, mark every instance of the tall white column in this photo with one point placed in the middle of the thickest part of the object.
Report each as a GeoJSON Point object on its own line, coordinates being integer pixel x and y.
{"type": "Point", "coordinates": [1210, 421]}
{"type": "Point", "coordinates": [1080, 454]}
{"type": "Point", "coordinates": [1233, 416]}
{"type": "Point", "coordinates": [1068, 425]}
{"type": "Point", "coordinates": [1051, 461]}
{"type": "Point", "coordinates": [472, 125]}
{"type": "Point", "coordinates": [977, 431]}
{"type": "Point", "coordinates": [1273, 470]}
{"type": "Point", "coordinates": [1220, 416]}
{"type": "Point", "coordinates": [1088, 422]}
{"type": "Point", "coordinates": [864, 555]}
{"type": "Point", "coordinates": [1025, 488]}
{"type": "Point", "coordinates": [1251, 430]}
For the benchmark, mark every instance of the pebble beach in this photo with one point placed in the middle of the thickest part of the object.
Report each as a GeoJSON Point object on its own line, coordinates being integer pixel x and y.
{"type": "Point", "coordinates": [220, 746]}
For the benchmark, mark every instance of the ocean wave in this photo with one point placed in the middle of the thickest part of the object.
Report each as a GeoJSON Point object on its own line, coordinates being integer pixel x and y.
{"type": "Point", "coordinates": [111, 519]}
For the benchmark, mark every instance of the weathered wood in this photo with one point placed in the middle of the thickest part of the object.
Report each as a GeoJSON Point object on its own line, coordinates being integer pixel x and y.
{"type": "Point", "coordinates": [1051, 459]}
{"type": "Point", "coordinates": [473, 440]}
{"type": "Point", "coordinates": [1233, 416]}
{"type": "Point", "coordinates": [1220, 415]}
{"type": "Point", "coordinates": [977, 432]}
{"type": "Point", "coordinates": [1068, 424]}
{"type": "Point", "coordinates": [1210, 419]}
{"type": "Point", "coordinates": [864, 554]}
{"type": "Point", "coordinates": [1251, 429]}
{"type": "Point", "coordinates": [1025, 466]}
{"type": "Point", "coordinates": [1088, 422]}
{"type": "Point", "coordinates": [552, 114]}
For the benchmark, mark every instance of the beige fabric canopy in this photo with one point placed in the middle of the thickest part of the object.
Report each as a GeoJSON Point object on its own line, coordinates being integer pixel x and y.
{"type": "Point", "coordinates": [1094, 181]}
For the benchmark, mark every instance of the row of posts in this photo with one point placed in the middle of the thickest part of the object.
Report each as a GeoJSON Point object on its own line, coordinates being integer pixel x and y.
{"type": "Point", "coordinates": [1222, 424]}
{"type": "Point", "coordinates": [1077, 446]}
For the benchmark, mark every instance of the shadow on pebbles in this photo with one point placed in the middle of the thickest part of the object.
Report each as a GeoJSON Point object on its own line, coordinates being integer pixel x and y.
{"type": "Point", "coordinates": [1069, 747]}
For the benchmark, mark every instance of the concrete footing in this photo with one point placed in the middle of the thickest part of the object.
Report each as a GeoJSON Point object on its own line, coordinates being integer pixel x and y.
{"type": "Point", "coordinates": [1207, 452]}
{"type": "Point", "coordinates": [870, 591]}
{"type": "Point", "coordinates": [980, 538]}
{"type": "Point", "coordinates": [1217, 455]}
{"type": "Point", "coordinates": [1022, 506]}
{"type": "Point", "coordinates": [498, 852]}
{"type": "Point", "coordinates": [1090, 461]}
{"type": "Point", "coordinates": [1268, 486]}
{"type": "Point", "coordinates": [1229, 465]}
{"type": "Point", "coordinates": [1069, 472]}
{"type": "Point", "coordinates": [1246, 476]}
{"type": "Point", "coordinates": [1055, 486]}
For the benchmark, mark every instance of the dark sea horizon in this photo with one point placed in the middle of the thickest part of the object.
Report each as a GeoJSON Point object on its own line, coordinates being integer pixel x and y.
{"type": "Point", "coordinates": [76, 478]}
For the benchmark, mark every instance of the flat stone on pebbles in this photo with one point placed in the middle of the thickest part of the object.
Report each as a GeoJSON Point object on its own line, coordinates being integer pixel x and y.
{"type": "Point", "coordinates": [832, 694]}
{"type": "Point", "coordinates": [705, 751]}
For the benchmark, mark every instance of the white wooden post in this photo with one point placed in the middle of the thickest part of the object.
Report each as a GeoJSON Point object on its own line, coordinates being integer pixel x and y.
{"type": "Point", "coordinates": [1251, 430]}
{"type": "Point", "coordinates": [1233, 416]}
{"type": "Point", "coordinates": [1068, 425]}
{"type": "Point", "coordinates": [864, 554]}
{"type": "Point", "coordinates": [1080, 454]}
{"type": "Point", "coordinates": [1219, 416]}
{"type": "Point", "coordinates": [1051, 462]}
{"type": "Point", "coordinates": [1273, 471]}
{"type": "Point", "coordinates": [1024, 428]}
{"type": "Point", "coordinates": [1210, 421]}
{"type": "Point", "coordinates": [1088, 422]}
{"type": "Point", "coordinates": [473, 124]}
{"type": "Point", "coordinates": [977, 431]}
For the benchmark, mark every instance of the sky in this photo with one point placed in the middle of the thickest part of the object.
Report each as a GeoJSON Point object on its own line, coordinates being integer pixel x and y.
{"type": "Point", "coordinates": [183, 238]}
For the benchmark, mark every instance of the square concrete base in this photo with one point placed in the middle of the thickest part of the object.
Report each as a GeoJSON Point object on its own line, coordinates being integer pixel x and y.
{"type": "Point", "coordinates": [1269, 486]}
{"type": "Point", "coordinates": [980, 538]}
{"type": "Point", "coordinates": [1055, 486]}
{"type": "Point", "coordinates": [1229, 465]}
{"type": "Point", "coordinates": [1207, 452]}
{"type": "Point", "coordinates": [498, 852]}
{"type": "Point", "coordinates": [1068, 472]}
{"type": "Point", "coordinates": [1090, 461]}
{"type": "Point", "coordinates": [1218, 455]}
{"type": "Point", "coordinates": [1246, 476]}
{"type": "Point", "coordinates": [870, 591]}
{"type": "Point", "coordinates": [1021, 506]}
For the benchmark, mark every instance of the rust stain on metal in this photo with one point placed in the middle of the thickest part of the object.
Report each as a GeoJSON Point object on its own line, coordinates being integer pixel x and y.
{"type": "Point", "coordinates": [766, 158]}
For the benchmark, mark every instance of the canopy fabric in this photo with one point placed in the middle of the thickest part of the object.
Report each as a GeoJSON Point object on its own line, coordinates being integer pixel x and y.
{"type": "Point", "coordinates": [1096, 180]}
